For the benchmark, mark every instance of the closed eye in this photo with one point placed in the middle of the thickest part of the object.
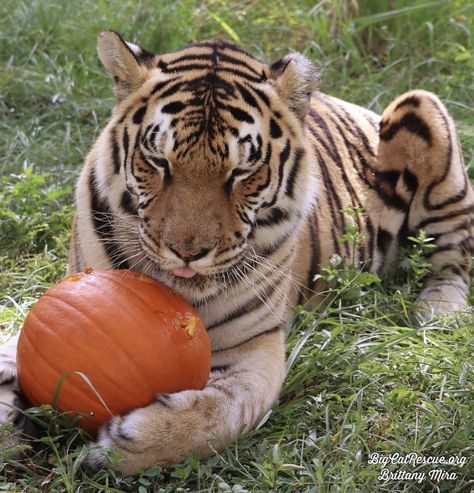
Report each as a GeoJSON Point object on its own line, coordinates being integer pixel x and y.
{"type": "Point", "coordinates": [162, 165]}
{"type": "Point", "coordinates": [239, 174]}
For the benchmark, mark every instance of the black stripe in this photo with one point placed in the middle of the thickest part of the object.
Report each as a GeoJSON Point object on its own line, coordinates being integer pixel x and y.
{"type": "Point", "coordinates": [275, 216]}
{"type": "Point", "coordinates": [275, 130]}
{"type": "Point", "coordinates": [332, 151]}
{"type": "Point", "coordinates": [239, 73]}
{"type": "Point", "coordinates": [456, 270]}
{"type": "Point", "coordinates": [409, 101]}
{"type": "Point", "coordinates": [332, 196]}
{"type": "Point", "coordinates": [173, 107]}
{"type": "Point", "coordinates": [457, 197]}
{"type": "Point", "coordinates": [248, 98]}
{"type": "Point", "coordinates": [204, 57]}
{"type": "Point", "coordinates": [411, 181]}
{"type": "Point", "coordinates": [184, 68]}
{"type": "Point", "coordinates": [230, 182]}
{"type": "Point", "coordinates": [127, 204]}
{"type": "Point", "coordinates": [404, 232]}
{"type": "Point", "coordinates": [261, 95]}
{"type": "Point", "coordinates": [239, 114]}
{"type": "Point", "coordinates": [265, 332]}
{"type": "Point", "coordinates": [244, 217]}
{"type": "Point", "coordinates": [464, 225]}
{"type": "Point", "coordinates": [161, 85]}
{"type": "Point", "coordinates": [410, 122]}
{"type": "Point", "coordinates": [219, 44]}
{"type": "Point", "coordinates": [171, 91]}
{"type": "Point", "coordinates": [389, 177]}
{"type": "Point", "coordinates": [352, 127]}
{"type": "Point", "coordinates": [284, 154]}
{"type": "Point", "coordinates": [115, 151]}
{"type": "Point", "coordinates": [138, 115]}
{"type": "Point", "coordinates": [366, 171]}
{"type": "Point", "coordinates": [246, 308]}
{"type": "Point", "coordinates": [208, 57]}
{"type": "Point", "coordinates": [207, 67]}
{"type": "Point", "coordinates": [384, 239]}
{"type": "Point", "coordinates": [268, 154]}
{"type": "Point", "coordinates": [277, 244]}
{"type": "Point", "coordinates": [290, 181]}
{"type": "Point", "coordinates": [162, 164]}
{"type": "Point", "coordinates": [235, 61]}
{"type": "Point", "coordinates": [462, 193]}
{"type": "Point", "coordinates": [315, 249]}
{"type": "Point", "coordinates": [385, 186]}
{"type": "Point", "coordinates": [102, 221]}
{"type": "Point", "coordinates": [262, 186]}
{"type": "Point", "coordinates": [449, 215]}
{"type": "Point", "coordinates": [125, 144]}
{"type": "Point", "coordinates": [145, 203]}
{"type": "Point", "coordinates": [255, 152]}
{"type": "Point", "coordinates": [441, 248]}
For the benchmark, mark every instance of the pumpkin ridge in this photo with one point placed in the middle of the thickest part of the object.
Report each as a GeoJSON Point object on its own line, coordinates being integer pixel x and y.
{"type": "Point", "coordinates": [32, 346]}
{"type": "Point", "coordinates": [141, 372]}
{"type": "Point", "coordinates": [157, 288]}
{"type": "Point", "coordinates": [84, 393]}
{"type": "Point", "coordinates": [115, 383]}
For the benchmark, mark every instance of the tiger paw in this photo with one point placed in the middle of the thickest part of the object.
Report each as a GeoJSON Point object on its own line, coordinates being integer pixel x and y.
{"type": "Point", "coordinates": [438, 299]}
{"type": "Point", "coordinates": [121, 447]}
{"type": "Point", "coordinates": [158, 434]}
{"type": "Point", "coordinates": [12, 421]}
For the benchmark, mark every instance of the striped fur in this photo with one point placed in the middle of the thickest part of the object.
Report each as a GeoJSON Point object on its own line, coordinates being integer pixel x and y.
{"type": "Point", "coordinates": [215, 162]}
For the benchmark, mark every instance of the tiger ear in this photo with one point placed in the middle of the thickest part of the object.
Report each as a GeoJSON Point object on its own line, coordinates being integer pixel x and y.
{"type": "Point", "coordinates": [127, 62]}
{"type": "Point", "coordinates": [295, 78]}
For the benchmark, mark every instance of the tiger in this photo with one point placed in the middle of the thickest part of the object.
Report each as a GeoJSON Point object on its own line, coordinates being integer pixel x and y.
{"type": "Point", "coordinates": [226, 179]}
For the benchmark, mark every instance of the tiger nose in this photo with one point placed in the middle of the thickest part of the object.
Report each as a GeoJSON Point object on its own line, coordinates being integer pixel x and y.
{"type": "Point", "coordinates": [187, 254]}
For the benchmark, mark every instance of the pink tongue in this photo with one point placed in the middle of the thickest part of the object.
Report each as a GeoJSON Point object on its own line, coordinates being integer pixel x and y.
{"type": "Point", "coordinates": [185, 272]}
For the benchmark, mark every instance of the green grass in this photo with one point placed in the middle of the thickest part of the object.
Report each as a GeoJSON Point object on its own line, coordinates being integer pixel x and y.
{"type": "Point", "coordinates": [365, 376]}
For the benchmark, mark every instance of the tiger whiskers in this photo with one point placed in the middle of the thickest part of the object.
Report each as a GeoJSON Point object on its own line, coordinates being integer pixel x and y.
{"type": "Point", "coordinates": [263, 266]}
{"type": "Point", "coordinates": [239, 275]}
{"type": "Point", "coordinates": [284, 270]}
{"type": "Point", "coordinates": [269, 282]}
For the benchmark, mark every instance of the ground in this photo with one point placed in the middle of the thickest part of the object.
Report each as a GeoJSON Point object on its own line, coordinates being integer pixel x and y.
{"type": "Point", "coordinates": [363, 375]}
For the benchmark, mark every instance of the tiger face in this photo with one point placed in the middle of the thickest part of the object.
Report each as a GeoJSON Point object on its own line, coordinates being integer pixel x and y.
{"type": "Point", "coordinates": [214, 151]}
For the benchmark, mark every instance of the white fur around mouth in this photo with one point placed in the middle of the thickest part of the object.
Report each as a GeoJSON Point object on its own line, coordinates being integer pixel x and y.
{"type": "Point", "coordinates": [185, 272]}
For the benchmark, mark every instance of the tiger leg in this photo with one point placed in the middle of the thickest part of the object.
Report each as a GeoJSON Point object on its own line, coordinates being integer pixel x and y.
{"type": "Point", "coordinates": [198, 421]}
{"type": "Point", "coordinates": [12, 421]}
{"type": "Point", "coordinates": [425, 187]}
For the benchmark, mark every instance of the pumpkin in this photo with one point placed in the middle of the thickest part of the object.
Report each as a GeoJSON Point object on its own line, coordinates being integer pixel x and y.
{"type": "Point", "coordinates": [103, 342]}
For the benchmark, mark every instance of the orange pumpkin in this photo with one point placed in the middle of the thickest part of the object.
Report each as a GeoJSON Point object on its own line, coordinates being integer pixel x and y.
{"type": "Point", "coordinates": [103, 342]}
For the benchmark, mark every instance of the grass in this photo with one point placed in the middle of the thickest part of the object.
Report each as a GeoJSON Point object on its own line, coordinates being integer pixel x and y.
{"type": "Point", "coordinates": [365, 376]}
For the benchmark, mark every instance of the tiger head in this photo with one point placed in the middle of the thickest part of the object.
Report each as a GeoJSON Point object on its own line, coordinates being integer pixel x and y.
{"type": "Point", "coordinates": [211, 146]}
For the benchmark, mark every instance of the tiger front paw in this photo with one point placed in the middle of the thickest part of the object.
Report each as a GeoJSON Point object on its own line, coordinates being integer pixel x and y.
{"type": "Point", "coordinates": [158, 434]}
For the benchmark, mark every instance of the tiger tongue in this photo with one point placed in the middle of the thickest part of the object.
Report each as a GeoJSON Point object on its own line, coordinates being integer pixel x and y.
{"type": "Point", "coordinates": [185, 272]}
